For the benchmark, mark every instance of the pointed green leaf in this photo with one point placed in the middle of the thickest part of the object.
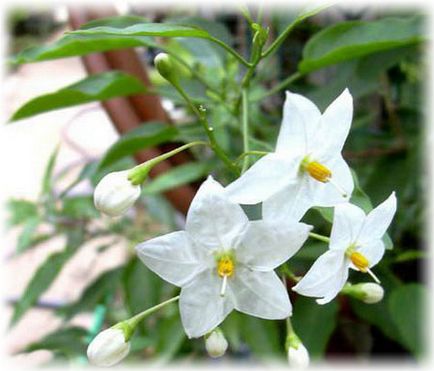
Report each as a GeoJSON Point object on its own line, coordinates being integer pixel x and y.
{"type": "Point", "coordinates": [98, 87]}
{"type": "Point", "coordinates": [354, 39]}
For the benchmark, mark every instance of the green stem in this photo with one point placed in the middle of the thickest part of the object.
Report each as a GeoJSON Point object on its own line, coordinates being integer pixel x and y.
{"type": "Point", "coordinates": [139, 173]}
{"type": "Point", "coordinates": [208, 130]}
{"type": "Point", "coordinates": [319, 237]}
{"type": "Point", "coordinates": [289, 80]}
{"type": "Point", "coordinates": [134, 321]}
{"type": "Point", "coordinates": [245, 130]}
{"type": "Point", "coordinates": [251, 153]}
{"type": "Point", "coordinates": [230, 50]}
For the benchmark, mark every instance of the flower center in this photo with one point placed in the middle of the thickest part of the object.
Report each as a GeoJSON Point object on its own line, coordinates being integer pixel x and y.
{"type": "Point", "coordinates": [320, 172]}
{"type": "Point", "coordinates": [360, 261]}
{"type": "Point", "coordinates": [225, 269]}
{"type": "Point", "coordinates": [225, 266]}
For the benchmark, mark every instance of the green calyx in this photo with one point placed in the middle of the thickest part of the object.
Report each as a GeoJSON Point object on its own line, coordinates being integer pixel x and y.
{"type": "Point", "coordinates": [126, 328]}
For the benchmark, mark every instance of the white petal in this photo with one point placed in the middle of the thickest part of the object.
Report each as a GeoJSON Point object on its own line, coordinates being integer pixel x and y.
{"type": "Point", "coordinates": [326, 277]}
{"type": "Point", "coordinates": [327, 194]}
{"type": "Point", "coordinates": [260, 294]}
{"type": "Point", "coordinates": [201, 306]}
{"type": "Point", "coordinates": [301, 119]}
{"type": "Point", "coordinates": [290, 203]}
{"type": "Point", "coordinates": [266, 177]}
{"type": "Point", "coordinates": [378, 220]}
{"type": "Point", "coordinates": [347, 222]}
{"type": "Point", "coordinates": [213, 221]}
{"type": "Point", "coordinates": [373, 251]}
{"type": "Point", "coordinates": [268, 244]}
{"type": "Point", "coordinates": [335, 126]}
{"type": "Point", "coordinates": [173, 257]}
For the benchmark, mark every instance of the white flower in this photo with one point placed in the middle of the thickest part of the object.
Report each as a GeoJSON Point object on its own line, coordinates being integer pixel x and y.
{"type": "Point", "coordinates": [114, 194]}
{"type": "Point", "coordinates": [307, 168]}
{"type": "Point", "coordinates": [355, 242]}
{"type": "Point", "coordinates": [373, 292]}
{"type": "Point", "coordinates": [108, 348]}
{"type": "Point", "coordinates": [298, 356]}
{"type": "Point", "coordinates": [223, 261]}
{"type": "Point", "coordinates": [216, 343]}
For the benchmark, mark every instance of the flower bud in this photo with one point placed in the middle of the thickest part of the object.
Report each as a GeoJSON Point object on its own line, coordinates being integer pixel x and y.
{"type": "Point", "coordinates": [216, 343]}
{"type": "Point", "coordinates": [165, 67]}
{"type": "Point", "coordinates": [114, 194]}
{"type": "Point", "coordinates": [373, 292]}
{"type": "Point", "coordinates": [298, 356]}
{"type": "Point", "coordinates": [108, 348]}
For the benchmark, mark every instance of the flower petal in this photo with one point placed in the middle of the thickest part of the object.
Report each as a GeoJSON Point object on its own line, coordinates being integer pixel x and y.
{"type": "Point", "coordinates": [301, 119]}
{"type": "Point", "coordinates": [373, 251]}
{"type": "Point", "coordinates": [378, 220]}
{"type": "Point", "coordinates": [260, 294]}
{"type": "Point", "coordinates": [213, 221]}
{"type": "Point", "coordinates": [201, 306]}
{"type": "Point", "coordinates": [335, 126]}
{"type": "Point", "coordinates": [327, 194]}
{"type": "Point", "coordinates": [173, 257]}
{"type": "Point", "coordinates": [290, 203]}
{"type": "Point", "coordinates": [326, 277]}
{"type": "Point", "coordinates": [267, 176]}
{"type": "Point", "coordinates": [347, 222]}
{"type": "Point", "coordinates": [268, 244]}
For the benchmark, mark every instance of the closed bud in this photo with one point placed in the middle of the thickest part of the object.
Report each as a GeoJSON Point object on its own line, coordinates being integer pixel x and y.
{"type": "Point", "coordinates": [165, 67]}
{"type": "Point", "coordinates": [373, 292]}
{"type": "Point", "coordinates": [108, 348]}
{"type": "Point", "coordinates": [298, 356]}
{"type": "Point", "coordinates": [216, 343]}
{"type": "Point", "coordinates": [115, 193]}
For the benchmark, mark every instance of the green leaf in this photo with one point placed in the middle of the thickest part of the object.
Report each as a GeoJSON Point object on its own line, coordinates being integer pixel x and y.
{"type": "Point", "coordinates": [68, 341]}
{"type": "Point", "coordinates": [79, 207]}
{"type": "Point", "coordinates": [20, 211]}
{"type": "Point", "coordinates": [262, 336]}
{"type": "Point", "coordinates": [94, 294]}
{"type": "Point", "coordinates": [77, 45]}
{"type": "Point", "coordinates": [25, 239]}
{"type": "Point", "coordinates": [354, 39]}
{"type": "Point", "coordinates": [47, 179]}
{"type": "Point", "coordinates": [406, 305]}
{"type": "Point", "coordinates": [178, 176]}
{"type": "Point", "coordinates": [145, 136]}
{"type": "Point", "coordinates": [98, 87]}
{"type": "Point", "coordinates": [314, 324]}
{"type": "Point", "coordinates": [171, 335]}
{"type": "Point", "coordinates": [146, 29]}
{"type": "Point", "coordinates": [45, 275]}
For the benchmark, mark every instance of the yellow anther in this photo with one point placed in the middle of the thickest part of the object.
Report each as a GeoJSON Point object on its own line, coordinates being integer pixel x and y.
{"type": "Point", "coordinates": [225, 266]}
{"type": "Point", "coordinates": [359, 261]}
{"type": "Point", "coordinates": [318, 171]}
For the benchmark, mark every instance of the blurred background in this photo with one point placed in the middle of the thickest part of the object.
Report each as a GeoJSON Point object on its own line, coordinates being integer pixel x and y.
{"type": "Point", "coordinates": [70, 272]}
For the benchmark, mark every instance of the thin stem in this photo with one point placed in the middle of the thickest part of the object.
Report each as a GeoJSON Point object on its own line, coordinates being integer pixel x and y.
{"type": "Point", "coordinates": [208, 130]}
{"type": "Point", "coordinates": [245, 130]}
{"type": "Point", "coordinates": [133, 321]}
{"type": "Point", "coordinates": [289, 80]}
{"type": "Point", "coordinates": [230, 50]}
{"type": "Point", "coordinates": [138, 174]}
{"type": "Point", "coordinates": [319, 237]}
{"type": "Point", "coordinates": [251, 153]}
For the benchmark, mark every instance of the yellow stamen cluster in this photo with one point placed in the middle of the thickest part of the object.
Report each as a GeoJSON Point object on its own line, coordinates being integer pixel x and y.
{"type": "Point", "coordinates": [359, 261]}
{"type": "Point", "coordinates": [225, 266]}
{"type": "Point", "coordinates": [318, 171]}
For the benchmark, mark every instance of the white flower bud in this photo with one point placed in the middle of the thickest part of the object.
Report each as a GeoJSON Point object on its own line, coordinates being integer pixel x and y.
{"type": "Point", "coordinates": [114, 194]}
{"type": "Point", "coordinates": [298, 356]}
{"type": "Point", "coordinates": [108, 348]}
{"type": "Point", "coordinates": [373, 292]}
{"type": "Point", "coordinates": [216, 344]}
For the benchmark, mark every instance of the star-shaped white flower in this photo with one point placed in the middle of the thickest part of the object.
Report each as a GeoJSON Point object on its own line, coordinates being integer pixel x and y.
{"type": "Point", "coordinates": [223, 261]}
{"type": "Point", "coordinates": [355, 242]}
{"type": "Point", "coordinates": [307, 168]}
